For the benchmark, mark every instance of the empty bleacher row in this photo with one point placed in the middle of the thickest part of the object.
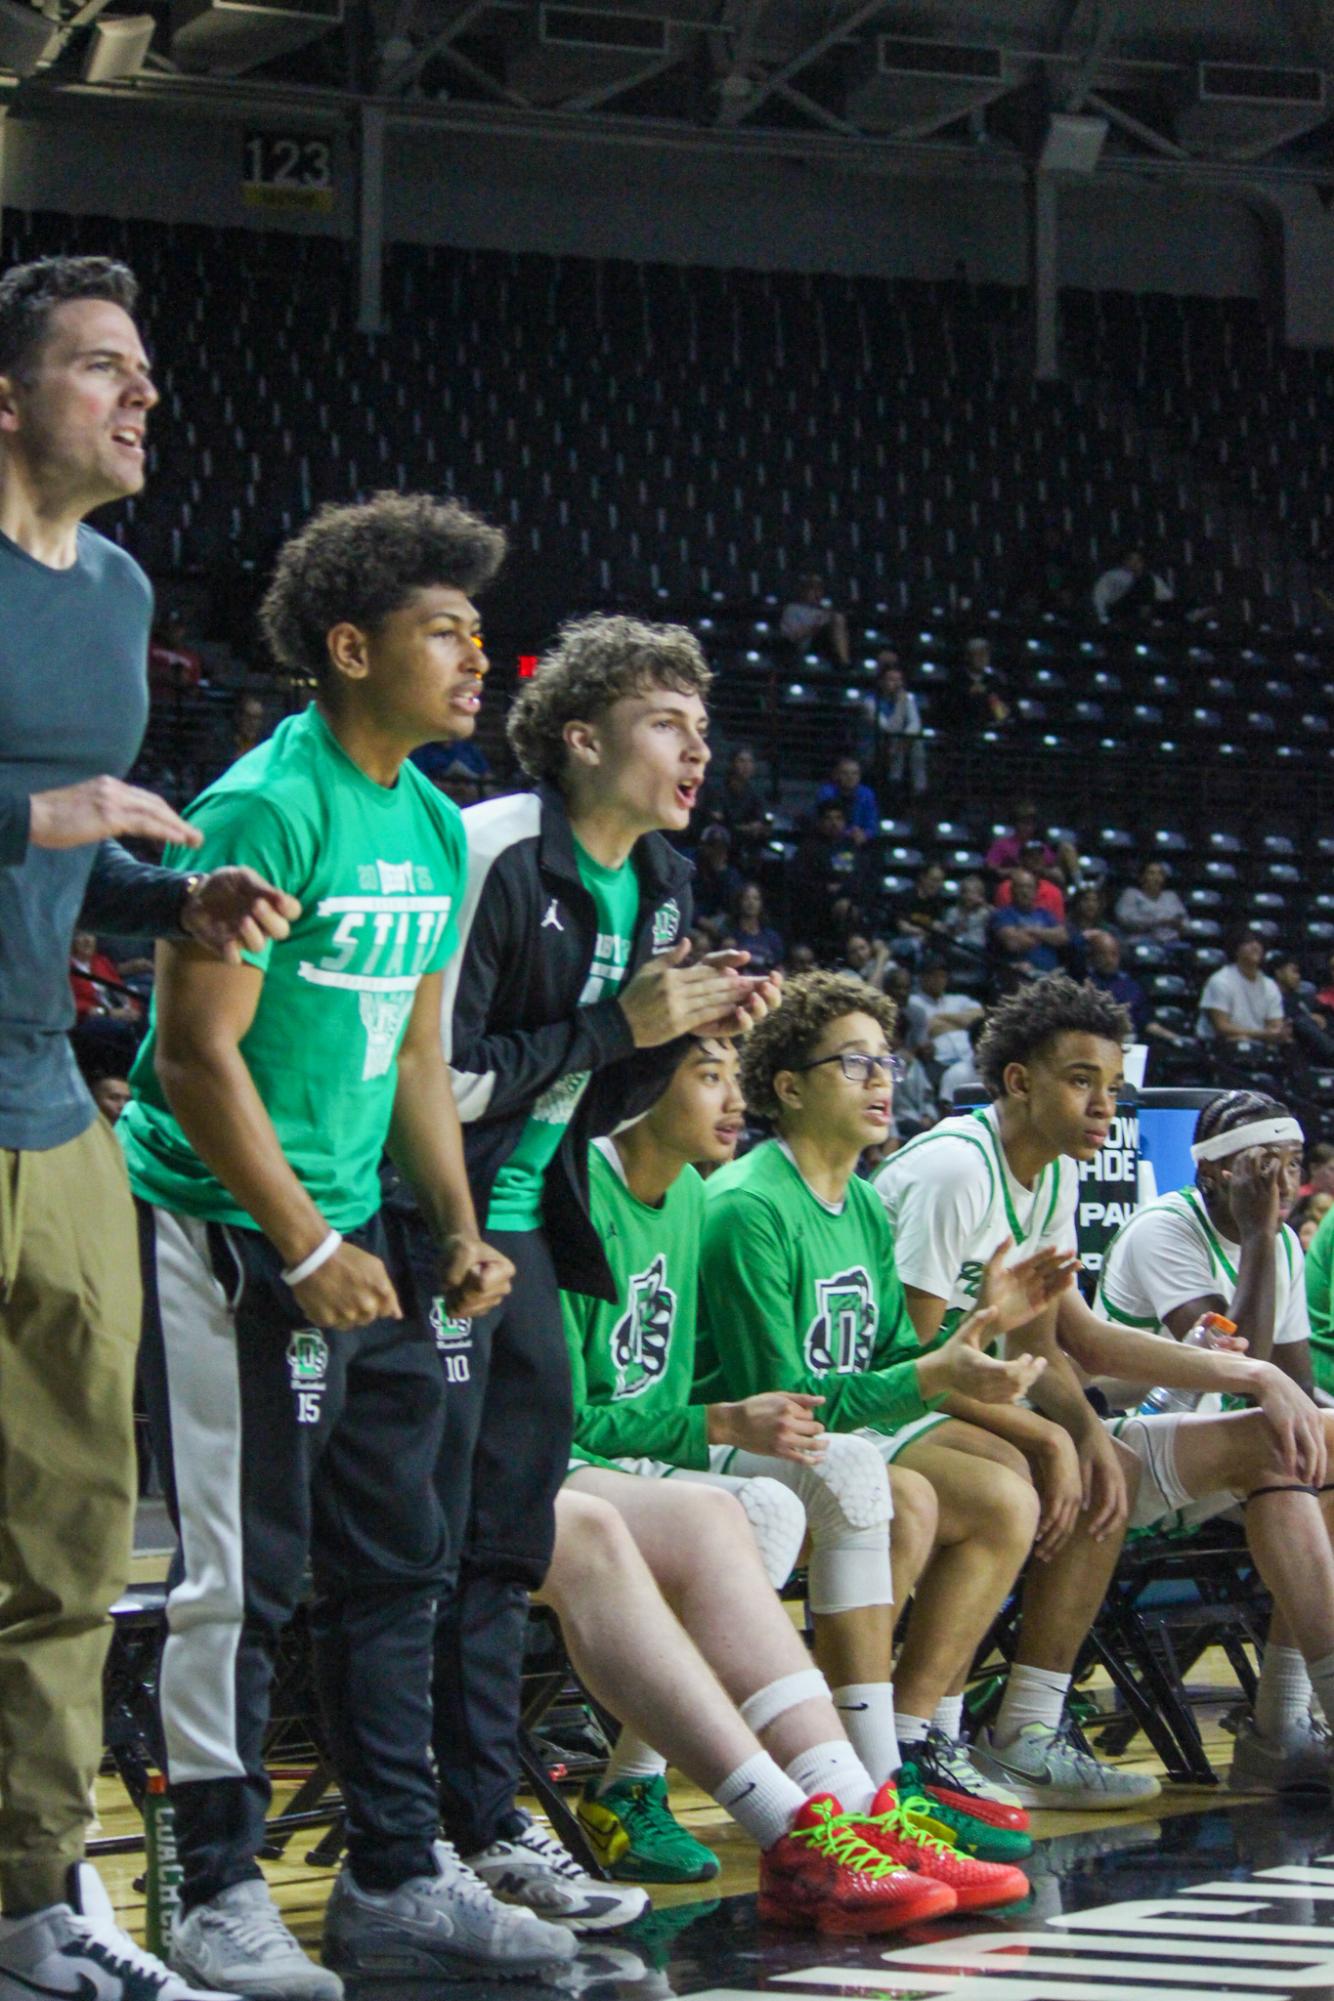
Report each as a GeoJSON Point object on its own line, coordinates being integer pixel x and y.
{"type": "Point", "coordinates": [646, 431]}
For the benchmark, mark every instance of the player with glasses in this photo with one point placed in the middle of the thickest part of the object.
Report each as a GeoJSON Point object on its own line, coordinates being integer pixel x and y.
{"type": "Point", "coordinates": [799, 1292]}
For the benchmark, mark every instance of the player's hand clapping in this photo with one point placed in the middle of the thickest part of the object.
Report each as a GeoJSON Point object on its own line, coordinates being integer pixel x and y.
{"type": "Point", "coordinates": [1017, 1293]}
{"type": "Point", "coordinates": [667, 998]}
{"type": "Point", "coordinates": [962, 1367]}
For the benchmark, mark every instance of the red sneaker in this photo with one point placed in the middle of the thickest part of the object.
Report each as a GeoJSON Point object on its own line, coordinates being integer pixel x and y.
{"type": "Point", "coordinates": [902, 1830]}
{"type": "Point", "coordinates": [825, 1876]}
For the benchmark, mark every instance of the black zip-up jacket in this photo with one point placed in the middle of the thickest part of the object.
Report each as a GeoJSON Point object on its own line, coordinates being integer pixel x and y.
{"type": "Point", "coordinates": [514, 1023]}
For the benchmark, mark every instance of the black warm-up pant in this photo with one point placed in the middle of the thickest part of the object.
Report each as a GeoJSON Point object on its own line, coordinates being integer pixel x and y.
{"type": "Point", "coordinates": [506, 1449]}
{"type": "Point", "coordinates": [285, 1448]}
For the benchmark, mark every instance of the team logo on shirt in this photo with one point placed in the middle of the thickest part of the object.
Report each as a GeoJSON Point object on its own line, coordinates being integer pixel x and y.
{"type": "Point", "coordinates": [640, 1340]}
{"type": "Point", "coordinates": [377, 943]}
{"type": "Point", "coordinates": [841, 1338]}
{"type": "Point", "coordinates": [970, 1277]}
{"type": "Point", "coordinates": [666, 924]}
{"type": "Point", "coordinates": [307, 1372]}
{"type": "Point", "coordinates": [453, 1340]}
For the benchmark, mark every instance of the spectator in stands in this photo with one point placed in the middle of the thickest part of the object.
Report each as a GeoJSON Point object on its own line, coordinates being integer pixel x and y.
{"type": "Point", "coordinates": [1050, 896]}
{"type": "Point", "coordinates": [801, 958]}
{"type": "Point", "coordinates": [893, 733]}
{"type": "Point", "coordinates": [1008, 851]}
{"type": "Point", "coordinates": [914, 1012]}
{"type": "Point", "coordinates": [717, 883]}
{"type": "Point", "coordinates": [1325, 994]}
{"type": "Point", "coordinates": [1310, 1026]}
{"type": "Point", "coordinates": [949, 1015]}
{"type": "Point", "coordinates": [246, 727]}
{"type": "Point", "coordinates": [111, 1095]}
{"type": "Point", "coordinates": [1307, 1215]}
{"type": "Point", "coordinates": [753, 933]}
{"type": "Point", "coordinates": [1086, 914]}
{"type": "Point", "coordinates": [866, 958]}
{"type": "Point", "coordinates": [1024, 938]}
{"type": "Point", "coordinates": [810, 622]}
{"type": "Point", "coordinates": [968, 916]}
{"type": "Point", "coordinates": [845, 788]}
{"type": "Point", "coordinates": [980, 699]}
{"type": "Point", "coordinates": [1319, 1169]}
{"type": "Point", "coordinates": [98, 982]}
{"type": "Point", "coordinates": [733, 801]}
{"type": "Point", "coordinates": [1240, 1003]}
{"type": "Point", "coordinates": [1149, 909]}
{"type": "Point", "coordinates": [923, 912]}
{"type": "Point", "coordinates": [827, 879]}
{"type": "Point", "coordinates": [1105, 971]}
{"type": "Point", "coordinates": [914, 1108]}
{"type": "Point", "coordinates": [173, 663]}
{"type": "Point", "coordinates": [1129, 589]}
{"type": "Point", "coordinates": [964, 1075]}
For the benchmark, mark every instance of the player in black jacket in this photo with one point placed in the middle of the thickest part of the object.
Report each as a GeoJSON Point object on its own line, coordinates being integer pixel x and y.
{"type": "Point", "coordinates": [564, 1017]}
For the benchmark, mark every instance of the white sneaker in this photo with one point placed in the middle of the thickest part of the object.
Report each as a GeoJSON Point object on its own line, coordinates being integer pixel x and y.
{"type": "Point", "coordinates": [238, 1940]}
{"type": "Point", "coordinates": [1046, 1768]}
{"type": "Point", "coordinates": [537, 1871]}
{"type": "Point", "coordinates": [78, 1949]}
{"type": "Point", "coordinates": [447, 1923]}
{"type": "Point", "coordinates": [1301, 1763]}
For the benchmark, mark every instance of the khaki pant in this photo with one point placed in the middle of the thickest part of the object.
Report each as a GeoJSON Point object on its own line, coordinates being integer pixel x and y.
{"type": "Point", "coordinates": [69, 1330]}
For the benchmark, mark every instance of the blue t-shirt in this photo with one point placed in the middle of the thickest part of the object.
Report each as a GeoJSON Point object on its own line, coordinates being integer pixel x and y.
{"type": "Point", "coordinates": [73, 706]}
{"type": "Point", "coordinates": [1044, 957]}
{"type": "Point", "coordinates": [859, 808]}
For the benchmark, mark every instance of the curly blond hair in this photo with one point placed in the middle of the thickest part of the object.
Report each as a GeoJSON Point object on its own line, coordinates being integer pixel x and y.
{"type": "Point", "coordinates": [594, 662]}
{"type": "Point", "coordinates": [785, 1038]}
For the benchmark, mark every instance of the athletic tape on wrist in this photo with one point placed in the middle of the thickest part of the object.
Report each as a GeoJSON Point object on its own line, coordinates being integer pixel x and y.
{"type": "Point", "coordinates": [767, 1704]}
{"type": "Point", "coordinates": [319, 1256]}
{"type": "Point", "coordinates": [1283, 1131]}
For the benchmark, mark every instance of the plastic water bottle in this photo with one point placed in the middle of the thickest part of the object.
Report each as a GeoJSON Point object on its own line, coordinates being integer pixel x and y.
{"type": "Point", "coordinates": [163, 1873]}
{"type": "Point", "coordinates": [1201, 1335]}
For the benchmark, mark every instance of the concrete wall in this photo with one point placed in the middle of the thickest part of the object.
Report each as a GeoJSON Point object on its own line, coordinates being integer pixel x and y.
{"type": "Point", "coordinates": [604, 201]}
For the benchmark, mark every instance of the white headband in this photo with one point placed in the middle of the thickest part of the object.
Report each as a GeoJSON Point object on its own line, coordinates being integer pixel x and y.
{"type": "Point", "coordinates": [1282, 1131]}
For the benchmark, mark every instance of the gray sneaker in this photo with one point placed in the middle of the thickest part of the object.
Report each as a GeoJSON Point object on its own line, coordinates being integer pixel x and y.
{"type": "Point", "coordinates": [79, 1941]}
{"type": "Point", "coordinates": [1045, 1768]}
{"type": "Point", "coordinates": [535, 1870]}
{"type": "Point", "coordinates": [1302, 1763]}
{"type": "Point", "coordinates": [449, 1923]}
{"type": "Point", "coordinates": [238, 1941]}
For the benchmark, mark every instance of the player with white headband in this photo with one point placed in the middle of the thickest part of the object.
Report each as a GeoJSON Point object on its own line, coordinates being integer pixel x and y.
{"type": "Point", "coordinates": [1051, 1059]}
{"type": "Point", "coordinates": [1222, 1246]}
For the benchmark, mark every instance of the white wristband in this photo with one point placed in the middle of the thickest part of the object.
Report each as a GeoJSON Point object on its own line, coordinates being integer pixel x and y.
{"type": "Point", "coordinates": [319, 1256]}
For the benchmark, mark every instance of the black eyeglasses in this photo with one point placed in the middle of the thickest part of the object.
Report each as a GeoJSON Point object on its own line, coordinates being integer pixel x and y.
{"type": "Point", "coordinates": [859, 1068]}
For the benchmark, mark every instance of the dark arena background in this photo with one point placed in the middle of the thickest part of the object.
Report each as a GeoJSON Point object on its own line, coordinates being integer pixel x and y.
{"type": "Point", "coordinates": [962, 375]}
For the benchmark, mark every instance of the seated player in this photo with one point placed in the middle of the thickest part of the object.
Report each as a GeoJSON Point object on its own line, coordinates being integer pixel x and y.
{"type": "Point", "coordinates": [632, 1362]}
{"type": "Point", "coordinates": [1051, 1058]}
{"type": "Point", "coordinates": [673, 1625]}
{"type": "Point", "coordinates": [1223, 1247]}
{"type": "Point", "coordinates": [799, 1292]}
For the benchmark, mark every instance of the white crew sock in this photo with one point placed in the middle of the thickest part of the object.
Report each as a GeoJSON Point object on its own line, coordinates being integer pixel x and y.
{"type": "Point", "coordinates": [866, 1711]}
{"type": "Point", "coordinates": [1322, 1681]}
{"type": "Point", "coordinates": [632, 1759]}
{"type": "Point", "coordinates": [761, 1798]}
{"type": "Point", "coordinates": [833, 1768]}
{"type": "Point", "coordinates": [911, 1729]}
{"type": "Point", "coordinates": [949, 1717]}
{"type": "Point", "coordinates": [1032, 1695]}
{"type": "Point", "coordinates": [1283, 1698]}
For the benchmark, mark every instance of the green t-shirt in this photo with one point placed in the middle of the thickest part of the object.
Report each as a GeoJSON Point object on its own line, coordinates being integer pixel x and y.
{"type": "Point", "coordinates": [379, 871]}
{"type": "Point", "coordinates": [633, 1363]}
{"type": "Point", "coordinates": [1320, 1301]}
{"type": "Point", "coordinates": [516, 1194]}
{"type": "Point", "coordinates": [795, 1295]}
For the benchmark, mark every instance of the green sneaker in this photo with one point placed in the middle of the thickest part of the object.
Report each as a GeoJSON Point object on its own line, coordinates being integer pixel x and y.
{"type": "Point", "coordinates": [984, 1820]}
{"type": "Point", "coordinates": [630, 1828]}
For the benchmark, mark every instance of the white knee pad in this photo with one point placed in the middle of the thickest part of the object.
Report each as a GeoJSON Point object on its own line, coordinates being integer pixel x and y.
{"type": "Point", "coordinates": [848, 1507]}
{"type": "Point", "coordinates": [779, 1523]}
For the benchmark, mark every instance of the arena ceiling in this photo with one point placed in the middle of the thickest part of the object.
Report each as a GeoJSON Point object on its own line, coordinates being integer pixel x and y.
{"type": "Point", "coordinates": [1195, 87]}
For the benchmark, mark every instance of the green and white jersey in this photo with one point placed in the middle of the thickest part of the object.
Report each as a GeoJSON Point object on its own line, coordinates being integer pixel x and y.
{"type": "Point", "coordinates": [796, 1294]}
{"type": "Point", "coordinates": [633, 1362]}
{"type": "Point", "coordinates": [1320, 1301]}
{"type": "Point", "coordinates": [1170, 1253]}
{"type": "Point", "coordinates": [951, 1199]}
{"type": "Point", "coordinates": [516, 1196]}
{"type": "Point", "coordinates": [379, 871]}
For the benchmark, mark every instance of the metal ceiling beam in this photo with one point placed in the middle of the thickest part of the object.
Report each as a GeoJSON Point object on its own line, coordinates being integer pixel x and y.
{"type": "Point", "coordinates": [829, 119]}
{"type": "Point", "coordinates": [589, 100]}
{"type": "Point", "coordinates": [732, 111]}
{"type": "Point", "coordinates": [1082, 82]}
{"type": "Point", "coordinates": [460, 20]}
{"type": "Point", "coordinates": [1136, 127]}
{"type": "Point", "coordinates": [1260, 149]}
